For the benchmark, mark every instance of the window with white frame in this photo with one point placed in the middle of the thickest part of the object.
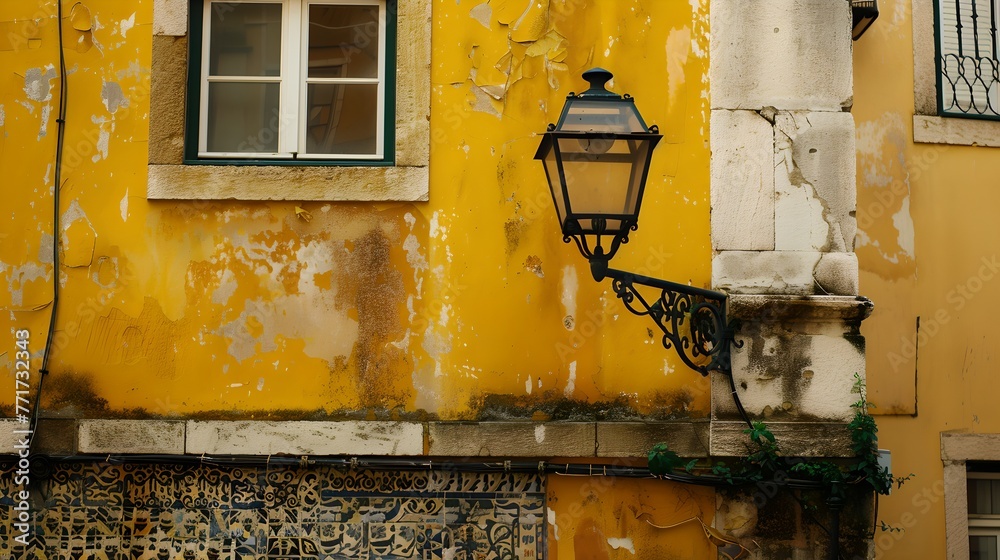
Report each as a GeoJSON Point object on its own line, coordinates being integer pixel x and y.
{"type": "Point", "coordinates": [968, 58]}
{"type": "Point", "coordinates": [293, 80]}
{"type": "Point", "coordinates": [984, 515]}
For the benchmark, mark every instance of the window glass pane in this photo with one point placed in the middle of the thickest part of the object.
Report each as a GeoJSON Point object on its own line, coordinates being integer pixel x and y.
{"type": "Point", "coordinates": [343, 41]}
{"type": "Point", "coordinates": [982, 548]}
{"type": "Point", "coordinates": [980, 496]}
{"type": "Point", "coordinates": [243, 117]}
{"type": "Point", "coordinates": [245, 39]}
{"type": "Point", "coordinates": [342, 118]}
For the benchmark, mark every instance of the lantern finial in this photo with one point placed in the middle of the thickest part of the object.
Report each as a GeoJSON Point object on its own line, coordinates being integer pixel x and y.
{"type": "Point", "coordinates": [597, 77]}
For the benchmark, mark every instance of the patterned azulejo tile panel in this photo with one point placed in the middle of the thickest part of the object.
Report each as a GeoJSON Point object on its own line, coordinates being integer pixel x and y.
{"type": "Point", "coordinates": [179, 512]}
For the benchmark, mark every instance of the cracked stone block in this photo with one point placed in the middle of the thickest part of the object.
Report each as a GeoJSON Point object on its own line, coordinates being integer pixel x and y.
{"type": "Point", "coordinates": [789, 54]}
{"type": "Point", "coordinates": [742, 181]}
{"type": "Point", "coordinates": [814, 182]}
{"type": "Point", "coordinates": [785, 272]}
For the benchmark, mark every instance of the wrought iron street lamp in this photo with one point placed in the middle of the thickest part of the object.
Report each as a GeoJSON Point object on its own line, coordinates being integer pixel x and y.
{"type": "Point", "coordinates": [597, 159]}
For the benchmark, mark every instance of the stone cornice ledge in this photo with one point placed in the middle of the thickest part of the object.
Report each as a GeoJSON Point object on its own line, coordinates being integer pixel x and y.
{"type": "Point", "coordinates": [779, 308]}
{"type": "Point", "coordinates": [797, 439]}
{"type": "Point", "coordinates": [323, 438]}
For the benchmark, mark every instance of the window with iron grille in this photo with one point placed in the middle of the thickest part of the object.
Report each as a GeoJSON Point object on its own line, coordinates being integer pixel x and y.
{"type": "Point", "coordinates": [968, 70]}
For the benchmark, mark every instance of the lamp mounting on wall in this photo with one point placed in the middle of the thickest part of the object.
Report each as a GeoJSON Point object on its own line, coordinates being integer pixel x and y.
{"type": "Point", "coordinates": [596, 160]}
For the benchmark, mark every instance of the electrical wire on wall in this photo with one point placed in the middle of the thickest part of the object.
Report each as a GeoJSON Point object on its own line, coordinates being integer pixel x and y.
{"type": "Point", "coordinates": [43, 371]}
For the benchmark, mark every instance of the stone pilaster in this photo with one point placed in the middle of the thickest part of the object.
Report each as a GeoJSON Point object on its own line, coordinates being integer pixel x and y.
{"type": "Point", "coordinates": [783, 225]}
{"type": "Point", "coordinates": [783, 207]}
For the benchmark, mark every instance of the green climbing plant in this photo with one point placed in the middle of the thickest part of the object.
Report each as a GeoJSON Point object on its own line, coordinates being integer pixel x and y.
{"type": "Point", "coordinates": [764, 460]}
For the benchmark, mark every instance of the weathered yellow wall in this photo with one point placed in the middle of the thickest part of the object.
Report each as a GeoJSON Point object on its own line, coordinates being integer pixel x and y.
{"type": "Point", "coordinates": [927, 228]}
{"type": "Point", "coordinates": [595, 518]}
{"type": "Point", "coordinates": [469, 306]}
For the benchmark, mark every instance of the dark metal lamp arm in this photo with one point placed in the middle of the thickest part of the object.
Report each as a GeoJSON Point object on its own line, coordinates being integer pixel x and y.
{"type": "Point", "coordinates": [693, 320]}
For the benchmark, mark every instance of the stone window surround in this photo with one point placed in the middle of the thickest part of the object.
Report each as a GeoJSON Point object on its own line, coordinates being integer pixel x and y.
{"type": "Point", "coordinates": [957, 448]}
{"type": "Point", "coordinates": [928, 127]}
{"type": "Point", "coordinates": [170, 178]}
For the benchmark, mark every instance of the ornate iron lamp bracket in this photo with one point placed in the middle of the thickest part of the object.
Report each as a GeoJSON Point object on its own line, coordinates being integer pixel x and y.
{"type": "Point", "coordinates": [693, 320]}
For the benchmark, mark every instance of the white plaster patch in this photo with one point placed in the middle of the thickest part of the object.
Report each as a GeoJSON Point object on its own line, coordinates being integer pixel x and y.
{"type": "Point", "coordinates": [113, 97]}
{"type": "Point", "coordinates": [484, 102]}
{"type": "Point", "coordinates": [127, 24]}
{"type": "Point", "coordinates": [413, 256]}
{"type": "Point", "coordinates": [327, 331]}
{"type": "Point", "coordinates": [570, 285]}
{"type": "Point", "coordinates": [678, 49]}
{"type": "Point", "coordinates": [482, 13]}
{"type": "Point", "coordinates": [527, 385]}
{"type": "Point", "coordinates": [571, 384]}
{"type": "Point", "coordinates": [45, 248]}
{"type": "Point", "coordinates": [904, 225]}
{"type": "Point", "coordinates": [21, 275]}
{"type": "Point", "coordinates": [38, 86]}
{"type": "Point", "coordinates": [551, 514]}
{"type": "Point", "coordinates": [102, 146]}
{"type": "Point", "coordinates": [443, 320]}
{"type": "Point", "coordinates": [540, 433]}
{"type": "Point", "coordinates": [226, 289]}
{"type": "Point", "coordinates": [260, 384]}
{"type": "Point", "coordinates": [73, 213]}
{"type": "Point", "coordinates": [44, 127]}
{"type": "Point", "coordinates": [3, 115]}
{"type": "Point", "coordinates": [625, 543]}
{"type": "Point", "coordinates": [123, 206]}
{"type": "Point", "coordinates": [667, 367]}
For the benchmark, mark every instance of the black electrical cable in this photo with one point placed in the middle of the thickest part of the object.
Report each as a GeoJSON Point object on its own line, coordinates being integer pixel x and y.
{"type": "Point", "coordinates": [400, 464]}
{"type": "Point", "coordinates": [43, 371]}
{"type": "Point", "coordinates": [736, 399]}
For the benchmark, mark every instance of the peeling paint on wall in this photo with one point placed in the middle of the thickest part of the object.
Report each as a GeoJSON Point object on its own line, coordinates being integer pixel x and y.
{"type": "Point", "coordinates": [364, 308]}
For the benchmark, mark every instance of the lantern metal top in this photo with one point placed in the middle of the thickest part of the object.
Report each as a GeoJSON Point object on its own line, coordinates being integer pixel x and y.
{"type": "Point", "coordinates": [598, 110]}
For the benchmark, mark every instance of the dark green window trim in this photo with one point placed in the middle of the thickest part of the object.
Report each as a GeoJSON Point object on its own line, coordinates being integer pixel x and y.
{"type": "Point", "coordinates": [192, 117]}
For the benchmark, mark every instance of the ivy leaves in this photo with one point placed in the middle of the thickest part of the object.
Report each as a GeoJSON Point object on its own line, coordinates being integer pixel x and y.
{"type": "Point", "coordinates": [763, 460]}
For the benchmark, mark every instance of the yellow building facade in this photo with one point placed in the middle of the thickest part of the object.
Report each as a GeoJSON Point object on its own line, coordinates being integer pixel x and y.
{"type": "Point", "coordinates": [927, 254]}
{"type": "Point", "coordinates": [426, 309]}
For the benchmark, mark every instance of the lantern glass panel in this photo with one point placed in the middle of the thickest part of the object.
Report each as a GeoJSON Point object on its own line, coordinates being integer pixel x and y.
{"type": "Point", "coordinates": [555, 183]}
{"type": "Point", "coordinates": [601, 177]}
{"type": "Point", "coordinates": [584, 115]}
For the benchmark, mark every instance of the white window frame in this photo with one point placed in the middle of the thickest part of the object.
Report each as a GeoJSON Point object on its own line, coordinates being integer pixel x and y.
{"type": "Point", "coordinates": [402, 176]}
{"type": "Point", "coordinates": [294, 81]}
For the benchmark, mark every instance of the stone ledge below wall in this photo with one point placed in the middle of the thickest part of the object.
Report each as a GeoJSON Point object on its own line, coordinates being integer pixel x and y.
{"type": "Point", "coordinates": [797, 439]}
{"type": "Point", "coordinates": [438, 439]}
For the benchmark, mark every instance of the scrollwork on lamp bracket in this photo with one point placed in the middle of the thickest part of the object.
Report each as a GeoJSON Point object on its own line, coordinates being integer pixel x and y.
{"type": "Point", "coordinates": [679, 307]}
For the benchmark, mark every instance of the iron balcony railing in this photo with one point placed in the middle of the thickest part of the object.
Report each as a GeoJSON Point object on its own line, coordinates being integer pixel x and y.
{"type": "Point", "coordinates": [968, 65]}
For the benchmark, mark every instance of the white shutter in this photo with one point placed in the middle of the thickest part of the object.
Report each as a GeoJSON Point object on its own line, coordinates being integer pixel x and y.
{"type": "Point", "coordinates": [962, 91]}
